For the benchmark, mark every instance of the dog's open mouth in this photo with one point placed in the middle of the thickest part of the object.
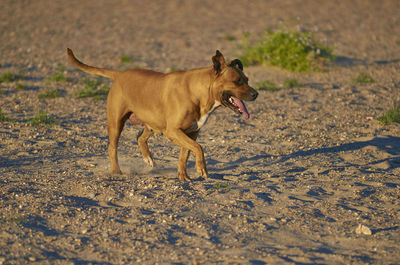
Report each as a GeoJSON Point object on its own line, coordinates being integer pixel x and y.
{"type": "Point", "coordinates": [235, 104]}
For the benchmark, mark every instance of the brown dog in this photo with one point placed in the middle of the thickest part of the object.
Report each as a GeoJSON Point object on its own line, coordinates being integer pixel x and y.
{"type": "Point", "coordinates": [175, 104]}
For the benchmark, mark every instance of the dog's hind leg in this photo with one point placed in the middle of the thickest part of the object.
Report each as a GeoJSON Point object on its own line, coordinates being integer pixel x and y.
{"type": "Point", "coordinates": [116, 119]}
{"type": "Point", "coordinates": [142, 138]}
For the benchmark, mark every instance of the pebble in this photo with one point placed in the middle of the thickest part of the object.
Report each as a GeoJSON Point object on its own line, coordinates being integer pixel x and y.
{"type": "Point", "coordinates": [363, 230]}
{"type": "Point", "coordinates": [23, 153]}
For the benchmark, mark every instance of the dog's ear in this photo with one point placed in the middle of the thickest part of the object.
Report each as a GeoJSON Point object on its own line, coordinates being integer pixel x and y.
{"type": "Point", "coordinates": [218, 62]}
{"type": "Point", "coordinates": [237, 63]}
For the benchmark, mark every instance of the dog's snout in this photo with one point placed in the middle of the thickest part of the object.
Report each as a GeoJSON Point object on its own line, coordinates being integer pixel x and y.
{"type": "Point", "coordinates": [253, 94]}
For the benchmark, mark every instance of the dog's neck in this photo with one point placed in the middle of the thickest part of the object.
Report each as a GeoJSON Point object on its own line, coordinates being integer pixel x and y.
{"type": "Point", "coordinates": [202, 92]}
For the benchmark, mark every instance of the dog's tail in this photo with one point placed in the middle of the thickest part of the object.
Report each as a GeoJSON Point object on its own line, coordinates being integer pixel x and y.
{"type": "Point", "coordinates": [91, 69]}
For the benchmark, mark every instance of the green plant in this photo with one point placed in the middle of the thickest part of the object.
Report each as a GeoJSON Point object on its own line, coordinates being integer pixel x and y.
{"type": "Point", "coordinates": [390, 116]}
{"type": "Point", "coordinates": [59, 75]}
{"type": "Point", "coordinates": [363, 78]}
{"type": "Point", "coordinates": [296, 51]}
{"type": "Point", "coordinates": [125, 59]}
{"type": "Point", "coordinates": [221, 187]}
{"type": "Point", "coordinates": [7, 77]}
{"type": "Point", "coordinates": [291, 83]}
{"type": "Point", "coordinates": [91, 89]}
{"type": "Point", "coordinates": [95, 93]}
{"type": "Point", "coordinates": [92, 83]}
{"type": "Point", "coordinates": [41, 118]}
{"type": "Point", "coordinates": [5, 219]}
{"type": "Point", "coordinates": [173, 69]}
{"type": "Point", "coordinates": [266, 85]}
{"type": "Point", "coordinates": [3, 117]}
{"type": "Point", "coordinates": [20, 86]}
{"type": "Point", "coordinates": [51, 93]}
{"type": "Point", "coordinates": [229, 37]}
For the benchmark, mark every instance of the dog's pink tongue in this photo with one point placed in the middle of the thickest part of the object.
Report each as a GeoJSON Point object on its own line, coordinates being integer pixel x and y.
{"type": "Point", "coordinates": [241, 106]}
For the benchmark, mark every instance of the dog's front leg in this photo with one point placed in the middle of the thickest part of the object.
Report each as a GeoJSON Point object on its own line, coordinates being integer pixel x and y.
{"type": "Point", "coordinates": [183, 157]}
{"type": "Point", "coordinates": [185, 142]}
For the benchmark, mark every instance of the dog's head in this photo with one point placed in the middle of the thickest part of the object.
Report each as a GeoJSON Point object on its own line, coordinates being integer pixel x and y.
{"type": "Point", "coordinates": [231, 86]}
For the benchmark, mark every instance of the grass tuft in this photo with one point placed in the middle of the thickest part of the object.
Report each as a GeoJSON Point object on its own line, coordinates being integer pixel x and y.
{"type": "Point", "coordinates": [20, 86]}
{"type": "Point", "coordinates": [221, 187]}
{"type": "Point", "coordinates": [5, 219]}
{"type": "Point", "coordinates": [51, 93]}
{"type": "Point", "coordinates": [391, 116]}
{"type": "Point", "coordinates": [3, 117]}
{"type": "Point", "coordinates": [173, 69]}
{"type": "Point", "coordinates": [91, 89]}
{"type": "Point", "coordinates": [266, 85]}
{"type": "Point", "coordinates": [294, 50]}
{"type": "Point", "coordinates": [229, 37]}
{"type": "Point", "coordinates": [59, 75]}
{"type": "Point", "coordinates": [291, 83]}
{"type": "Point", "coordinates": [7, 77]}
{"type": "Point", "coordinates": [42, 118]}
{"type": "Point", "coordinates": [125, 59]}
{"type": "Point", "coordinates": [363, 78]}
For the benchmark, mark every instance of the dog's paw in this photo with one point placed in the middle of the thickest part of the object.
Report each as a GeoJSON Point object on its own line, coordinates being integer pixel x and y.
{"type": "Point", "coordinates": [149, 161]}
{"type": "Point", "coordinates": [183, 176]}
{"type": "Point", "coordinates": [116, 171]}
{"type": "Point", "coordinates": [202, 173]}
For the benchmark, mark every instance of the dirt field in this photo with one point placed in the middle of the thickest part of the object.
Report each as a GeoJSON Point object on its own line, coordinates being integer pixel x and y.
{"type": "Point", "coordinates": [291, 185]}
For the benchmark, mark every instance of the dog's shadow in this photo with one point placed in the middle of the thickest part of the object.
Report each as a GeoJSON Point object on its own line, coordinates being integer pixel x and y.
{"type": "Point", "coordinates": [388, 144]}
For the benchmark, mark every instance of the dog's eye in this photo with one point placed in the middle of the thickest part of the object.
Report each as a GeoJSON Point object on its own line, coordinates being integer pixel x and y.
{"type": "Point", "coordinates": [238, 82]}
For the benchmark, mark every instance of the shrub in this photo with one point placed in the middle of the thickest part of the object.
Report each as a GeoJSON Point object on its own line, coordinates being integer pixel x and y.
{"type": "Point", "coordinates": [293, 50]}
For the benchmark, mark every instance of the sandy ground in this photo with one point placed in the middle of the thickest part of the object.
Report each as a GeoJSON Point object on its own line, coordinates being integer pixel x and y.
{"type": "Point", "coordinates": [288, 186]}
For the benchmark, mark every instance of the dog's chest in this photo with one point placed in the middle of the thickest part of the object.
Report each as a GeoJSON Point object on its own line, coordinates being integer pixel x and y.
{"type": "Point", "coordinates": [196, 125]}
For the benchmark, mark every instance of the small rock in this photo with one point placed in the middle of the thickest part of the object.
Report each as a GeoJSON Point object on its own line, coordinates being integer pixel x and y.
{"type": "Point", "coordinates": [363, 230]}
